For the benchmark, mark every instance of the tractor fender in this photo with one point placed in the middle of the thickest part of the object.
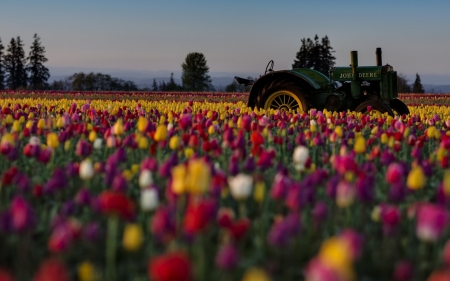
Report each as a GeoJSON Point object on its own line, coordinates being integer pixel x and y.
{"type": "Point", "coordinates": [316, 81]}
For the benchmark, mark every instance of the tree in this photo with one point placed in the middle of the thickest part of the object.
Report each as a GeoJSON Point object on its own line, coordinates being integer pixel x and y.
{"type": "Point", "coordinates": [316, 55]}
{"type": "Point", "coordinates": [195, 73]}
{"type": "Point", "coordinates": [172, 86]}
{"type": "Point", "coordinates": [38, 73]}
{"type": "Point", "coordinates": [15, 65]}
{"type": "Point", "coordinates": [2, 67]}
{"type": "Point", "coordinates": [417, 86]}
{"type": "Point", "coordinates": [402, 84]}
{"type": "Point", "coordinates": [154, 85]}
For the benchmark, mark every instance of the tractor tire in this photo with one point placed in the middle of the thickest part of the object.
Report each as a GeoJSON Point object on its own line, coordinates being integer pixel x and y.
{"type": "Point", "coordinates": [377, 106]}
{"type": "Point", "coordinates": [285, 94]}
{"type": "Point", "coordinates": [399, 107]}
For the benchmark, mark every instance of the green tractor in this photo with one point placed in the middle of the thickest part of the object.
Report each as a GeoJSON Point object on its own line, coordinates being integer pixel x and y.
{"type": "Point", "coordinates": [304, 88]}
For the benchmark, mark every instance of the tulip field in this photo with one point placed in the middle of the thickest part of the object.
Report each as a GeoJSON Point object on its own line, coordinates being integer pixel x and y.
{"type": "Point", "coordinates": [192, 186]}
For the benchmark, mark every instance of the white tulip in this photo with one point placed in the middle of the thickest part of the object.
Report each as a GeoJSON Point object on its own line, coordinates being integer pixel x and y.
{"type": "Point", "coordinates": [34, 141]}
{"type": "Point", "coordinates": [169, 126]}
{"type": "Point", "coordinates": [145, 178]}
{"type": "Point", "coordinates": [300, 156]}
{"type": "Point", "coordinates": [86, 169]}
{"type": "Point", "coordinates": [149, 199]}
{"type": "Point", "coordinates": [98, 143]}
{"type": "Point", "coordinates": [240, 186]}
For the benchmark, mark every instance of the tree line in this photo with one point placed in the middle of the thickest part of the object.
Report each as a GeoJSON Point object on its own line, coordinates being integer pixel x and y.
{"type": "Point", "coordinates": [20, 72]}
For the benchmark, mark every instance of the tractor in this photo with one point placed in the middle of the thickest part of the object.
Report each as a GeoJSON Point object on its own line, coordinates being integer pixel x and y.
{"type": "Point", "coordinates": [356, 88]}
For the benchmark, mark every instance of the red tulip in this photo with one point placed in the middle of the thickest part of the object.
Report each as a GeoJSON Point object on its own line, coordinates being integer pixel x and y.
{"type": "Point", "coordinates": [174, 266]}
{"type": "Point", "coordinates": [116, 203]}
{"type": "Point", "coordinates": [52, 269]}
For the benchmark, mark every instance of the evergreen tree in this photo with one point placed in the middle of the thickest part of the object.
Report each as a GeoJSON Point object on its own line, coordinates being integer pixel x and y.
{"type": "Point", "coordinates": [195, 73]}
{"type": "Point", "coordinates": [39, 74]}
{"type": "Point", "coordinates": [315, 54]}
{"type": "Point", "coordinates": [2, 67]}
{"type": "Point", "coordinates": [15, 65]}
{"type": "Point", "coordinates": [171, 86]}
{"type": "Point", "coordinates": [154, 85]}
{"type": "Point", "coordinates": [417, 87]}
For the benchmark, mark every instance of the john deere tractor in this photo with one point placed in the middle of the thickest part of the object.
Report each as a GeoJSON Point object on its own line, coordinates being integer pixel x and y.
{"type": "Point", "coordinates": [350, 87]}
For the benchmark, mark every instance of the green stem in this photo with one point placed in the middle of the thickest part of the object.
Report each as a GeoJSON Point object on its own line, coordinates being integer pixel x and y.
{"type": "Point", "coordinates": [111, 246]}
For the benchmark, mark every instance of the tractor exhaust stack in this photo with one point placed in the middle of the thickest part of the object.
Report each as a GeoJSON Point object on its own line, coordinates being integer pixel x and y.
{"type": "Point", "coordinates": [378, 53]}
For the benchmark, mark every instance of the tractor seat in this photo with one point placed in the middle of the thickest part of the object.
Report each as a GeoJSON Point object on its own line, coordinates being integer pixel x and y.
{"type": "Point", "coordinates": [243, 81]}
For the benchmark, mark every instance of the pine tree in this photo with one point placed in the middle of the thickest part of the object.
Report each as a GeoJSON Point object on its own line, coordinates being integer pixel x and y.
{"type": "Point", "coordinates": [2, 67]}
{"type": "Point", "coordinates": [39, 74]}
{"type": "Point", "coordinates": [154, 85]}
{"type": "Point", "coordinates": [402, 84]}
{"type": "Point", "coordinates": [171, 86]}
{"type": "Point", "coordinates": [195, 73]}
{"type": "Point", "coordinates": [315, 54]}
{"type": "Point", "coordinates": [15, 65]}
{"type": "Point", "coordinates": [417, 87]}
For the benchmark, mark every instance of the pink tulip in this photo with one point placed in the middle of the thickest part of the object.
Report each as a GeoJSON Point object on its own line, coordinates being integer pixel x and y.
{"type": "Point", "coordinates": [431, 223]}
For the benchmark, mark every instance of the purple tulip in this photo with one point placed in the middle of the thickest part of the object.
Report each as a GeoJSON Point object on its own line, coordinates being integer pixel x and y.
{"type": "Point", "coordinates": [227, 258]}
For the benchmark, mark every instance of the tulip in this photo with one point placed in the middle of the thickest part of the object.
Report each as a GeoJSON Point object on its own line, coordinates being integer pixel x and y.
{"type": "Point", "coordinates": [133, 237]}
{"type": "Point", "coordinates": [145, 178]}
{"type": "Point", "coordinates": [394, 173]}
{"type": "Point", "coordinates": [161, 133]}
{"type": "Point", "coordinates": [22, 215]}
{"type": "Point", "coordinates": [149, 199]}
{"type": "Point", "coordinates": [50, 269]}
{"type": "Point", "coordinates": [86, 169]}
{"type": "Point", "coordinates": [432, 220]}
{"type": "Point", "coordinates": [198, 178]}
{"type": "Point", "coordinates": [240, 186]}
{"type": "Point", "coordinates": [172, 266]}
{"type": "Point", "coordinates": [255, 274]}
{"type": "Point", "coordinates": [416, 178]}
{"type": "Point", "coordinates": [300, 156]}
{"type": "Point", "coordinates": [227, 258]}
{"type": "Point", "coordinates": [116, 204]}
{"type": "Point", "coordinates": [86, 272]}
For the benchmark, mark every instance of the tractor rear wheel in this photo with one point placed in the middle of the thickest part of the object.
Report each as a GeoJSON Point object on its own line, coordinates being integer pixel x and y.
{"type": "Point", "coordinates": [284, 95]}
{"type": "Point", "coordinates": [376, 106]}
{"type": "Point", "coordinates": [399, 107]}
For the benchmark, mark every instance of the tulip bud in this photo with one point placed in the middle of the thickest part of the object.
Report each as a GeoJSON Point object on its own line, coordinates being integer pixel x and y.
{"type": "Point", "coordinates": [132, 237]}
{"type": "Point", "coordinates": [149, 199]}
{"type": "Point", "coordinates": [240, 186]}
{"type": "Point", "coordinates": [300, 157]}
{"type": "Point", "coordinates": [145, 178]}
{"type": "Point", "coordinates": [86, 169]}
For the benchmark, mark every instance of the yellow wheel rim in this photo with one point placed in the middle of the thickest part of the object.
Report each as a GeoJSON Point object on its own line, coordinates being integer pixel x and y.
{"type": "Point", "coordinates": [284, 101]}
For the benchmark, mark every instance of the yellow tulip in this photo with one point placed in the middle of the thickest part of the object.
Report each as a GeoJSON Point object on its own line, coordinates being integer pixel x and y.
{"type": "Point", "coordinates": [118, 127]}
{"type": "Point", "coordinates": [178, 179]}
{"type": "Point", "coordinates": [86, 272]}
{"type": "Point", "coordinates": [446, 182]}
{"type": "Point", "coordinates": [255, 274]}
{"type": "Point", "coordinates": [41, 124]}
{"type": "Point", "coordinates": [198, 177]}
{"type": "Point", "coordinates": [259, 191]}
{"type": "Point", "coordinates": [360, 145]}
{"type": "Point", "coordinates": [52, 140]}
{"type": "Point", "coordinates": [16, 126]}
{"type": "Point", "coordinates": [133, 237]}
{"type": "Point", "coordinates": [174, 142]}
{"type": "Point", "coordinates": [161, 133]}
{"type": "Point", "coordinates": [189, 152]}
{"type": "Point", "coordinates": [416, 178]}
{"type": "Point", "coordinates": [92, 136]}
{"type": "Point", "coordinates": [339, 131]}
{"type": "Point", "coordinates": [142, 124]}
{"type": "Point", "coordinates": [143, 143]}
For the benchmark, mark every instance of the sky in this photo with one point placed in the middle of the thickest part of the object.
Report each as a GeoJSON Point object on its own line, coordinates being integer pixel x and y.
{"type": "Point", "coordinates": [236, 37]}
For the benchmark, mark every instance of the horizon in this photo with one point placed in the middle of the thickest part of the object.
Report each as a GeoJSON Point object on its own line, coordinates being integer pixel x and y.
{"type": "Point", "coordinates": [236, 38]}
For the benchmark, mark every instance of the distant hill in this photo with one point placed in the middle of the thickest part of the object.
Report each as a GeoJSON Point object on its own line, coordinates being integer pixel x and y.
{"type": "Point", "coordinates": [437, 89]}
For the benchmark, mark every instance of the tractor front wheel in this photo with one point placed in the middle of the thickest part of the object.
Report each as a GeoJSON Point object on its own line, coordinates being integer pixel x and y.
{"type": "Point", "coordinates": [399, 107]}
{"type": "Point", "coordinates": [375, 106]}
{"type": "Point", "coordinates": [284, 95]}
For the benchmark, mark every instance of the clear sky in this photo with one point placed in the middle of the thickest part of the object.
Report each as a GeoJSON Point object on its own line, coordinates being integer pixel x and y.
{"type": "Point", "coordinates": [235, 36]}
